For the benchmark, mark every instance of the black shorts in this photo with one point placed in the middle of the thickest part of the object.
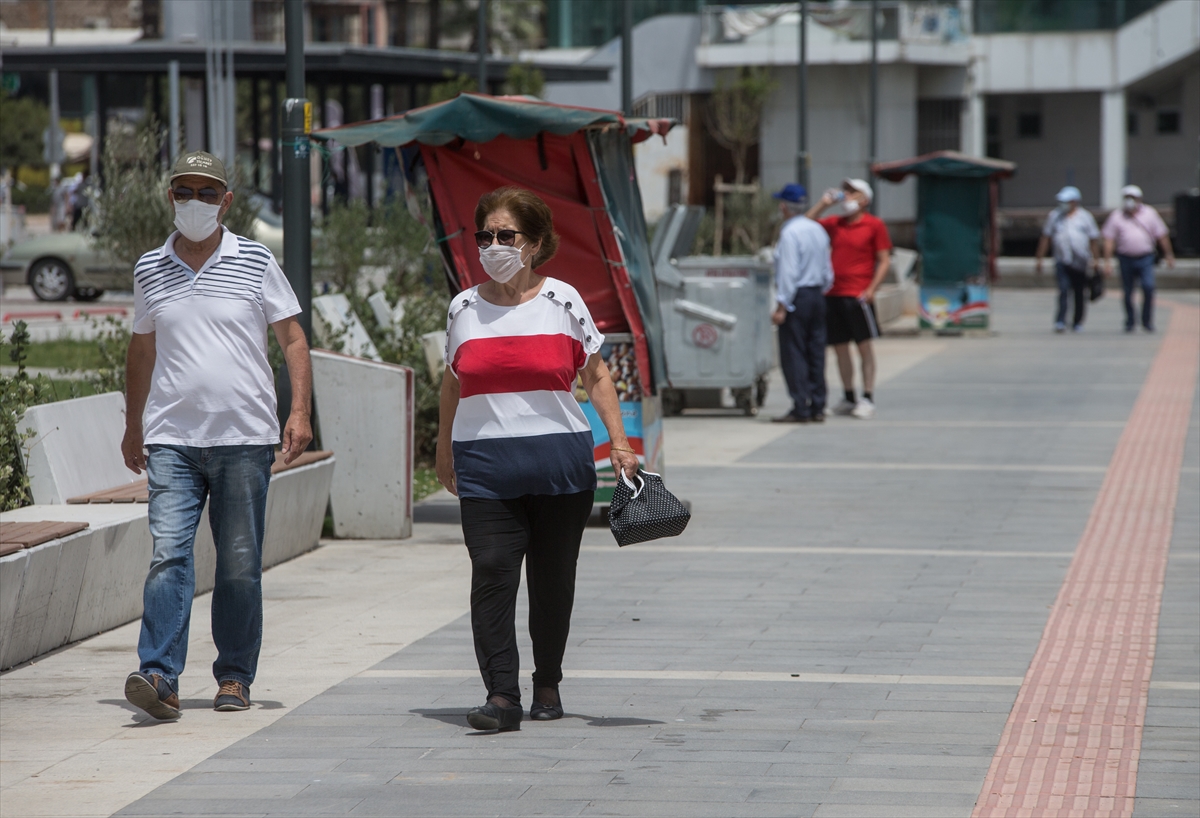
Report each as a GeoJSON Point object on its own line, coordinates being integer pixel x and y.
{"type": "Point", "coordinates": [848, 319]}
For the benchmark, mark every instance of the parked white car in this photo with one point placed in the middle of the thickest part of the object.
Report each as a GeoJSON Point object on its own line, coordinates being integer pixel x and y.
{"type": "Point", "coordinates": [57, 266]}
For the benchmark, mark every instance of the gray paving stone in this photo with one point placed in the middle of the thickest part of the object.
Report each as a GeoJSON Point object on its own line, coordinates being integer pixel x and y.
{"type": "Point", "coordinates": [697, 747]}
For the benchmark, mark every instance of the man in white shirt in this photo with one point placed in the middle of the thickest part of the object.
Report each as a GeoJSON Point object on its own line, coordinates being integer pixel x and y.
{"type": "Point", "coordinates": [200, 420]}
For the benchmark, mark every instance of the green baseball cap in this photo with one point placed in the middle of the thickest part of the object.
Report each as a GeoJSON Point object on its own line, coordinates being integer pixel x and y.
{"type": "Point", "coordinates": [199, 163]}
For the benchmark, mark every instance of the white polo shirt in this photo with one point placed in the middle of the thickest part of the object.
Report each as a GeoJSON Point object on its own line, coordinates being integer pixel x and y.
{"type": "Point", "coordinates": [212, 384]}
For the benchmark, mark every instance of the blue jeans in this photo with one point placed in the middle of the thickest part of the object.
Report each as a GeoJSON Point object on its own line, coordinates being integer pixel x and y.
{"type": "Point", "coordinates": [235, 478]}
{"type": "Point", "coordinates": [802, 352]}
{"type": "Point", "coordinates": [1071, 280]}
{"type": "Point", "coordinates": [1138, 270]}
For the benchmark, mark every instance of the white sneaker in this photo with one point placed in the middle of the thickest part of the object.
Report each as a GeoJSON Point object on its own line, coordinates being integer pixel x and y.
{"type": "Point", "coordinates": [863, 410]}
{"type": "Point", "coordinates": [845, 408]}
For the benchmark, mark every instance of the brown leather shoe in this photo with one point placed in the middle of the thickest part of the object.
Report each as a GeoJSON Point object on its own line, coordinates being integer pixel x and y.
{"type": "Point", "coordinates": [232, 695]}
{"type": "Point", "coordinates": [151, 693]}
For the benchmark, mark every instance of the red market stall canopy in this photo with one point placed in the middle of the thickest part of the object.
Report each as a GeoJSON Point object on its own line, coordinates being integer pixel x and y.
{"type": "Point", "coordinates": [579, 160]}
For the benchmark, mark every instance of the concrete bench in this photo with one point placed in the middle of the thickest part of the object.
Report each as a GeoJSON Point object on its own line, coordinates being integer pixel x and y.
{"type": "Point", "coordinates": [366, 413]}
{"type": "Point", "coordinates": [15, 536]}
{"type": "Point", "coordinates": [79, 584]}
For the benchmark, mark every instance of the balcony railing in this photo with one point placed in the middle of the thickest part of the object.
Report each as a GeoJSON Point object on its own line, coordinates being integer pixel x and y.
{"type": "Point", "coordinates": [930, 21]}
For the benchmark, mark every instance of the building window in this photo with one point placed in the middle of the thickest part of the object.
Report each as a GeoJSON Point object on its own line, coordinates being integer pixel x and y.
{"type": "Point", "coordinates": [1167, 122]}
{"type": "Point", "coordinates": [1131, 123]}
{"type": "Point", "coordinates": [939, 125]}
{"type": "Point", "coordinates": [1029, 125]}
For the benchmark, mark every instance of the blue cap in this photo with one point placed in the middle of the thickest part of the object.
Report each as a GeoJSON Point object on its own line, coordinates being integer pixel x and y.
{"type": "Point", "coordinates": [792, 193]}
{"type": "Point", "coordinates": [1070, 193]}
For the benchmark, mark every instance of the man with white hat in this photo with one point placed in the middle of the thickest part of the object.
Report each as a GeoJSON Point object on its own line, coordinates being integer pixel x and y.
{"type": "Point", "coordinates": [860, 249]}
{"type": "Point", "coordinates": [1075, 239]}
{"type": "Point", "coordinates": [200, 420]}
{"type": "Point", "coordinates": [1132, 231]}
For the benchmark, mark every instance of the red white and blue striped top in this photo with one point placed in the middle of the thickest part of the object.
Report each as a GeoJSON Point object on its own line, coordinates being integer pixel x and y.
{"type": "Point", "coordinates": [518, 429]}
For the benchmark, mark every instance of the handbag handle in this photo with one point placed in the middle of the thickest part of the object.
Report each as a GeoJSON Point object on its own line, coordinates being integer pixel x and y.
{"type": "Point", "coordinates": [636, 489]}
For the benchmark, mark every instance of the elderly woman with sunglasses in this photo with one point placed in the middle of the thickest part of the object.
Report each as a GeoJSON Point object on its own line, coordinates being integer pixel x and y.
{"type": "Point", "coordinates": [516, 449]}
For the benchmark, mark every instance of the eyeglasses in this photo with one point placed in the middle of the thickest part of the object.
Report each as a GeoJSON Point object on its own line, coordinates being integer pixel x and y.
{"type": "Point", "coordinates": [483, 238]}
{"type": "Point", "coordinates": [208, 195]}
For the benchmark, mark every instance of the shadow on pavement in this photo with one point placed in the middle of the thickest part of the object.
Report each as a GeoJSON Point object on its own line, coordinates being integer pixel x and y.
{"type": "Point", "coordinates": [458, 718]}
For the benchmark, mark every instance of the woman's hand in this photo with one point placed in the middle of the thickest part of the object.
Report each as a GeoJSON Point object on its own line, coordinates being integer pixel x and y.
{"type": "Point", "coordinates": [624, 462]}
{"type": "Point", "coordinates": [445, 469]}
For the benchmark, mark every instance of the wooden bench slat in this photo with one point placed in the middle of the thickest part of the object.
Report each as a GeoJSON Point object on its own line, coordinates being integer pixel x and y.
{"type": "Point", "coordinates": [15, 536]}
{"type": "Point", "coordinates": [139, 492]}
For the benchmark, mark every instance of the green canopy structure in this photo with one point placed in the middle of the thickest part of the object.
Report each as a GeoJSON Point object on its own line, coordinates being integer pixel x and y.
{"type": "Point", "coordinates": [478, 118]}
{"type": "Point", "coordinates": [956, 232]}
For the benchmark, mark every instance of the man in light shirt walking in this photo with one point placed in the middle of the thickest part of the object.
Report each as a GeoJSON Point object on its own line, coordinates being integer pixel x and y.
{"type": "Point", "coordinates": [802, 275]}
{"type": "Point", "coordinates": [1133, 231]}
{"type": "Point", "coordinates": [1071, 234]}
{"type": "Point", "coordinates": [200, 420]}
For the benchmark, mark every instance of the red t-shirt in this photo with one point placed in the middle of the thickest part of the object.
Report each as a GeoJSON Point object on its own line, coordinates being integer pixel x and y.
{"type": "Point", "coordinates": [852, 249]}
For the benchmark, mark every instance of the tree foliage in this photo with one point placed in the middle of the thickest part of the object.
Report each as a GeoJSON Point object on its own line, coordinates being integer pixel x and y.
{"type": "Point", "coordinates": [451, 87]}
{"type": "Point", "coordinates": [523, 79]}
{"type": "Point", "coordinates": [735, 111]}
{"type": "Point", "coordinates": [131, 214]}
{"type": "Point", "coordinates": [22, 123]}
{"type": "Point", "coordinates": [17, 393]}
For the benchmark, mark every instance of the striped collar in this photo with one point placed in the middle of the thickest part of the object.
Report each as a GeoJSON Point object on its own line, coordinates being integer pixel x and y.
{"type": "Point", "coordinates": [228, 248]}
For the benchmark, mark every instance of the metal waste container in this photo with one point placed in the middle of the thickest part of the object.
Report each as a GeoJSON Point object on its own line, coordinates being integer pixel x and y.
{"type": "Point", "coordinates": [716, 322]}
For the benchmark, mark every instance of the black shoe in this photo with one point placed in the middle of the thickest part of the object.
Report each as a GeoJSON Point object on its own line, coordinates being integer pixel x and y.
{"type": "Point", "coordinates": [789, 418]}
{"type": "Point", "coordinates": [819, 417]}
{"type": "Point", "coordinates": [151, 693]}
{"type": "Point", "coordinates": [489, 716]}
{"type": "Point", "coordinates": [546, 712]}
{"type": "Point", "coordinates": [1130, 328]}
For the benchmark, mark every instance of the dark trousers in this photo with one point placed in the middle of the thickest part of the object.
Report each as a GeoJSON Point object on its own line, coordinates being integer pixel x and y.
{"type": "Point", "coordinates": [1071, 280]}
{"type": "Point", "coordinates": [802, 352]}
{"type": "Point", "coordinates": [1135, 271]}
{"type": "Point", "coordinates": [545, 531]}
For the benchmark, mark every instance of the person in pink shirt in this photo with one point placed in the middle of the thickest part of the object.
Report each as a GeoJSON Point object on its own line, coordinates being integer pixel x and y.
{"type": "Point", "coordinates": [1132, 232]}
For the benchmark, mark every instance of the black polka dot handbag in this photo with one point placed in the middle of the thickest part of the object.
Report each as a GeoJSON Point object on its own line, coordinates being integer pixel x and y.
{"type": "Point", "coordinates": [646, 511]}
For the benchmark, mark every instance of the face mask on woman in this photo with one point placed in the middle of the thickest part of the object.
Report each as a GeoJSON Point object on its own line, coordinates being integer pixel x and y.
{"type": "Point", "coordinates": [500, 262]}
{"type": "Point", "coordinates": [196, 220]}
{"type": "Point", "coordinates": [1129, 203]}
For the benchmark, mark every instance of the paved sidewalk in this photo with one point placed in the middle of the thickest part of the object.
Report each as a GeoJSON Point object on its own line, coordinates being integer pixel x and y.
{"type": "Point", "coordinates": [843, 630]}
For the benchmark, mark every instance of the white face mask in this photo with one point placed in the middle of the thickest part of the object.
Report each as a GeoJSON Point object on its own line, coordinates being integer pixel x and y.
{"type": "Point", "coordinates": [195, 219]}
{"type": "Point", "coordinates": [1129, 203]}
{"type": "Point", "coordinates": [500, 262]}
{"type": "Point", "coordinates": [851, 206]}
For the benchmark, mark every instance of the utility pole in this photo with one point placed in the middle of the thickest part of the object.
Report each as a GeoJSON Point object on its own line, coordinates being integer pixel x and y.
{"type": "Point", "coordinates": [873, 150]}
{"type": "Point", "coordinates": [482, 37]}
{"type": "Point", "coordinates": [802, 102]}
{"type": "Point", "coordinates": [297, 192]}
{"type": "Point", "coordinates": [627, 57]}
{"type": "Point", "coordinates": [54, 137]}
{"type": "Point", "coordinates": [173, 108]}
{"type": "Point", "coordinates": [297, 205]}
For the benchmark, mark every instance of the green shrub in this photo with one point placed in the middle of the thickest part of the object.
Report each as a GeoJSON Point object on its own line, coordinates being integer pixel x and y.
{"type": "Point", "coordinates": [17, 394]}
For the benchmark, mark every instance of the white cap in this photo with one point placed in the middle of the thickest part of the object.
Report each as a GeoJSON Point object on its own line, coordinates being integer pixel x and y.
{"type": "Point", "coordinates": [1070, 193]}
{"type": "Point", "coordinates": [1132, 190]}
{"type": "Point", "coordinates": [861, 186]}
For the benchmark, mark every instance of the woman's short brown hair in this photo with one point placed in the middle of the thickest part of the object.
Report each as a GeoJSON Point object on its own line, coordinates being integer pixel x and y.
{"type": "Point", "coordinates": [532, 215]}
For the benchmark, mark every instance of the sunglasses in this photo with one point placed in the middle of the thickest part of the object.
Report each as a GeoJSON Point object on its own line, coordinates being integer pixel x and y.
{"type": "Point", "coordinates": [505, 238]}
{"type": "Point", "coordinates": [208, 195]}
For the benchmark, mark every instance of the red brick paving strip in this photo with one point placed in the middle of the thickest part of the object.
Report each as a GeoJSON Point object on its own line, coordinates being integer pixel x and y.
{"type": "Point", "coordinates": [1073, 738]}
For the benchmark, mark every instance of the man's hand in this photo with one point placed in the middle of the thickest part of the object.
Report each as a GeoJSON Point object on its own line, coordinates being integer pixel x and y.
{"type": "Point", "coordinates": [868, 296]}
{"type": "Point", "coordinates": [297, 434]}
{"type": "Point", "coordinates": [1037, 266]}
{"type": "Point", "coordinates": [779, 316]}
{"type": "Point", "coordinates": [132, 449]}
{"type": "Point", "coordinates": [444, 466]}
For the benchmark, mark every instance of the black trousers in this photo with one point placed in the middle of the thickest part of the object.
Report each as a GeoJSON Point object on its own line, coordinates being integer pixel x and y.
{"type": "Point", "coordinates": [545, 531]}
{"type": "Point", "coordinates": [802, 352]}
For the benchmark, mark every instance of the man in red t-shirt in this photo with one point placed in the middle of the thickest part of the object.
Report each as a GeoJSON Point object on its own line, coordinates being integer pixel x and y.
{"type": "Point", "coordinates": [859, 246]}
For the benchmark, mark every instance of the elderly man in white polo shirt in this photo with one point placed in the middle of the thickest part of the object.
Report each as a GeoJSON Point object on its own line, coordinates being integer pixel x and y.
{"type": "Point", "coordinates": [201, 420]}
